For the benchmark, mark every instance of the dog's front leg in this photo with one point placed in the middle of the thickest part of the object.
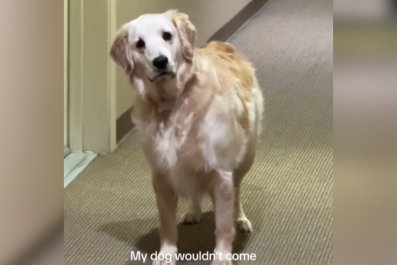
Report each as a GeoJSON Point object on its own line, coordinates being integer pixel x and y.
{"type": "Point", "coordinates": [166, 205]}
{"type": "Point", "coordinates": [223, 196]}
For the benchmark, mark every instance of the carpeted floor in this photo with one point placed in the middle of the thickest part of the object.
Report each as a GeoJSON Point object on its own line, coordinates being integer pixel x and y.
{"type": "Point", "coordinates": [110, 209]}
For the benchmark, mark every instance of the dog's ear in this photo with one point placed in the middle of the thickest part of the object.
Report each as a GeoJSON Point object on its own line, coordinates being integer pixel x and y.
{"type": "Point", "coordinates": [120, 51]}
{"type": "Point", "coordinates": [186, 31]}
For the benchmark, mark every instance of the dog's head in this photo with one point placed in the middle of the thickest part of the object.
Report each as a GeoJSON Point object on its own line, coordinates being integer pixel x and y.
{"type": "Point", "coordinates": [155, 47]}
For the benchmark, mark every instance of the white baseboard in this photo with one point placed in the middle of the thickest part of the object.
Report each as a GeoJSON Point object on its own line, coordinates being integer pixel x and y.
{"type": "Point", "coordinates": [74, 164]}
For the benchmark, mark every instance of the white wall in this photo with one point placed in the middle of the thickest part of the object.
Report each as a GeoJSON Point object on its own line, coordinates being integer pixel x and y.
{"type": "Point", "coordinates": [31, 115]}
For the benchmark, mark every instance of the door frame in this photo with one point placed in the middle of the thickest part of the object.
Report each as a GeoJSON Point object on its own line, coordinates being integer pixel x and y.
{"type": "Point", "coordinates": [91, 76]}
{"type": "Point", "coordinates": [65, 78]}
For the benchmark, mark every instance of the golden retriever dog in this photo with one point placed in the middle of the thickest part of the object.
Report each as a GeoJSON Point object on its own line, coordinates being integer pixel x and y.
{"type": "Point", "coordinates": [199, 113]}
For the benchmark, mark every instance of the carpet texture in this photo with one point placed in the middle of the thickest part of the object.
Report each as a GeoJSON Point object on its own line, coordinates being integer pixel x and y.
{"type": "Point", "coordinates": [110, 209]}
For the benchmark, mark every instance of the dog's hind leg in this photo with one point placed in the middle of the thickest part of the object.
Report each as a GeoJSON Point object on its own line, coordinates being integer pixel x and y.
{"type": "Point", "coordinates": [242, 222]}
{"type": "Point", "coordinates": [194, 213]}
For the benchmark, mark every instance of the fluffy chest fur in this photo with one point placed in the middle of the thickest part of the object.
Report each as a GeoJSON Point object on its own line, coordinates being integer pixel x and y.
{"type": "Point", "coordinates": [194, 142]}
{"type": "Point", "coordinates": [188, 150]}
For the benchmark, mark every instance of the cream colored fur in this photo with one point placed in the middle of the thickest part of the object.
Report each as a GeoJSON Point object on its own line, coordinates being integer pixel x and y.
{"type": "Point", "coordinates": [199, 125]}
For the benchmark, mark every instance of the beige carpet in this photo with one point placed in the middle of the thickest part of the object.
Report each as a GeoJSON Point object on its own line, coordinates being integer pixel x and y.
{"type": "Point", "coordinates": [110, 209]}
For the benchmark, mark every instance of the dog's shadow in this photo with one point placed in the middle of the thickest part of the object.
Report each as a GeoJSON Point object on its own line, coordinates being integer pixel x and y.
{"type": "Point", "coordinates": [191, 238]}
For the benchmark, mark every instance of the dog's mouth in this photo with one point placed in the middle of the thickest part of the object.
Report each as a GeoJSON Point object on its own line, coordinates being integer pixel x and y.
{"type": "Point", "coordinates": [162, 75]}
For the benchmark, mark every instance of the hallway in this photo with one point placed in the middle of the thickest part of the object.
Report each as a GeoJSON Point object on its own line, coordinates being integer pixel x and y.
{"type": "Point", "coordinates": [110, 209]}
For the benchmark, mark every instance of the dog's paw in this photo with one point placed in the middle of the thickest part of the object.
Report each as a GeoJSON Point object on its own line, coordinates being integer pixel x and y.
{"type": "Point", "coordinates": [222, 262]}
{"type": "Point", "coordinates": [244, 226]}
{"type": "Point", "coordinates": [222, 258]}
{"type": "Point", "coordinates": [166, 255]}
{"type": "Point", "coordinates": [170, 260]}
{"type": "Point", "coordinates": [163, 262]}
{"type": "Point", "coordinates": [191, 218]}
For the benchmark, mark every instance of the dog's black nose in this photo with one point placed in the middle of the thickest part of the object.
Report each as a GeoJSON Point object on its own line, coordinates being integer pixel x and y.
{"type": "Point", "coordinates": [160, 62]}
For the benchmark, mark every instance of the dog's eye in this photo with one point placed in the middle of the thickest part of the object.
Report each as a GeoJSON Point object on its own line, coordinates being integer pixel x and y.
{"type": "Point", "coordinates": [140, 44]}
{"type": "Point", "coordinates": [167, 36]}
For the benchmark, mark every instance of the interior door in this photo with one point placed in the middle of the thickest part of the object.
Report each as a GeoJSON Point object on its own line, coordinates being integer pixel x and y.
{"type": "Point", "coordinates": [65, 80]}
